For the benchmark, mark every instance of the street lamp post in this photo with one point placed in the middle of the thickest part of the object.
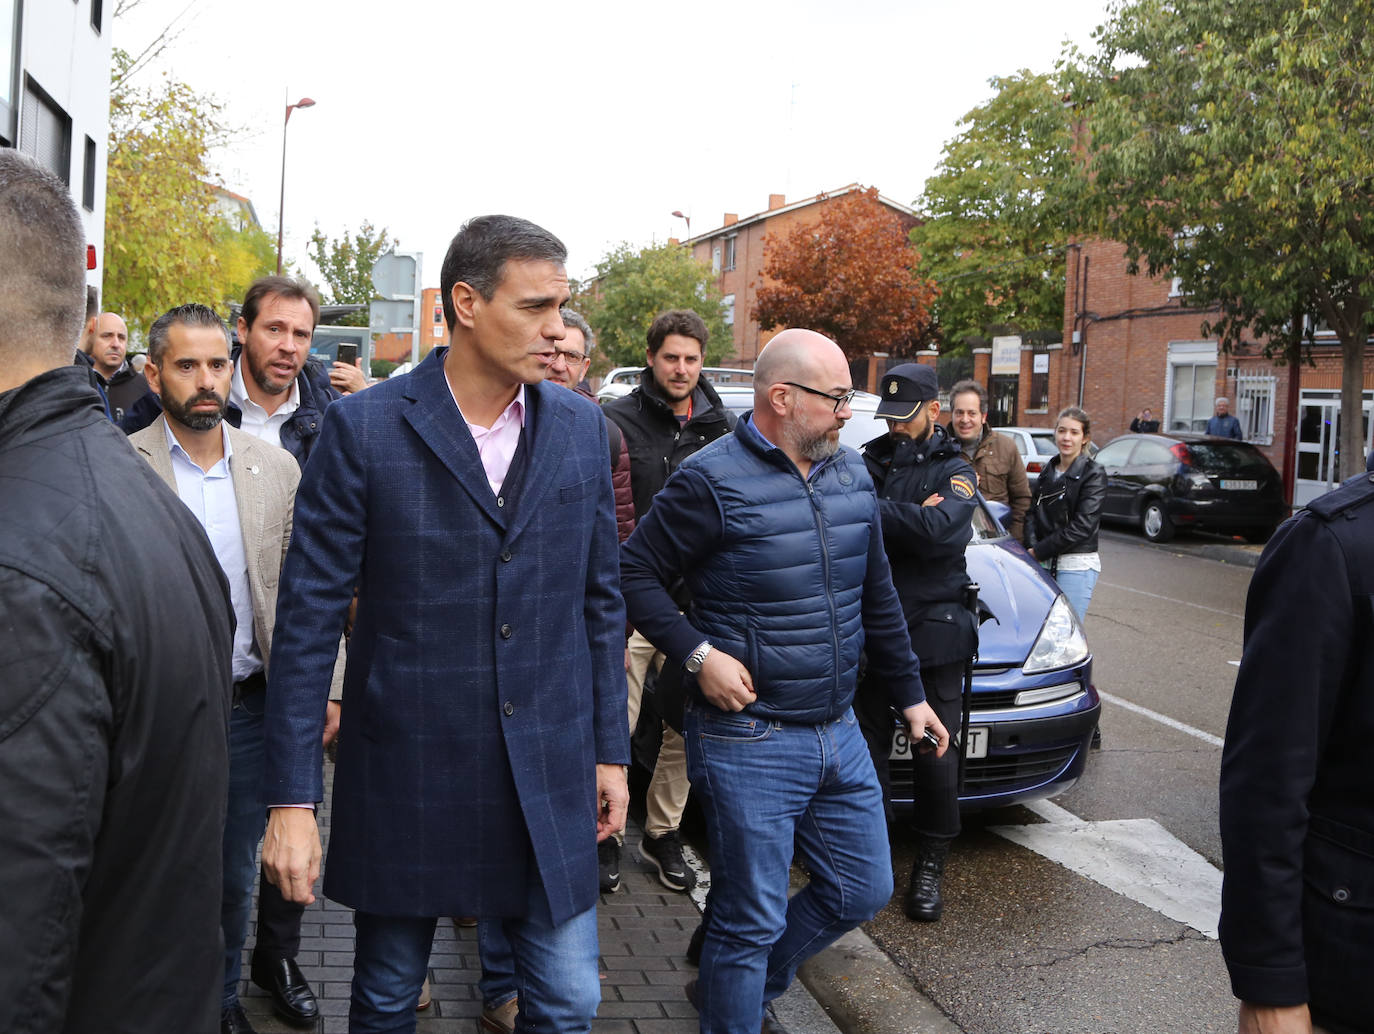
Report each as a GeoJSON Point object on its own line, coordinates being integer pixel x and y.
{"type": "Point", "coordinates": [304, 102]}
{"type": "Point", "coordinates": [686, 219]}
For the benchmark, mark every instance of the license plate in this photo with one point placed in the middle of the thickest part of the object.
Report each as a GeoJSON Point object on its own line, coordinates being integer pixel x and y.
{"type": "Point", "coordinates": [977, 744]}
{"type": "Point", "coordinates": [1239, 486]}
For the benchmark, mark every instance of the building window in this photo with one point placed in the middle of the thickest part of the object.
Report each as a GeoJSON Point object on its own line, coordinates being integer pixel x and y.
{"type": "Point", "coordinates": [730, 251]}
{"type": "Point", "coordinates": [97, 14]}
{"type": "Point", "coordinates": [1255, 406]}
{"type": "Point", "coordinates": [88, 177]}
{"type": "Point", "coordinates": [45, 131]}
{"type": "Point", "coordinates": [715, 260]}
{"type": "Point", "coordinates": [728, 306]}
{"type": "Point", "coordinates": [1190, 392]}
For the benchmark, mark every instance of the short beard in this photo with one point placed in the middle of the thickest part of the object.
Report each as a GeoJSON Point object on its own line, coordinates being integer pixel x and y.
{"type": "Point", "coordinates": [184, 415]}
{"type": "Point", "coordinates": [267, 386]}
{"type": "Point", "coordinates": [814, 447]}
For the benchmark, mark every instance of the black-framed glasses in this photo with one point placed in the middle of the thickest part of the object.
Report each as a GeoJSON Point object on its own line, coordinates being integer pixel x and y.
{"type": "Point", "coordinates": [840, 400]}
{"type": "Point", "coordinates": [569, 358]}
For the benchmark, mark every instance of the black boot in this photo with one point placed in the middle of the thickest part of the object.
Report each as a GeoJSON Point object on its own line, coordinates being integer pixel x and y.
{"type": "Point", "coordinates": [923, 902]}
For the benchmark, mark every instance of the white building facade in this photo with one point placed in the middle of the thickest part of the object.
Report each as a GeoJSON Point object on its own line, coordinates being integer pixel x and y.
{"type": "Point", "coordinates": [55, 97]}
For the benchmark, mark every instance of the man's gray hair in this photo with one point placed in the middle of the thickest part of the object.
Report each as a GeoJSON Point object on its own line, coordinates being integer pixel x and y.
{"type": "Point", "coordinates": [42, 263]}
{"type": "Point", "coordinates": [572, 318]}
{"type": "Point", "coordinates": [190, 315]}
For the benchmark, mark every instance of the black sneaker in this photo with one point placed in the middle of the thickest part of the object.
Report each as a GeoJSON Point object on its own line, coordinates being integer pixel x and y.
{"type": "Point", "coordinates": [608, 864]}
{"type": "Point", "coordinates": [666, 853]}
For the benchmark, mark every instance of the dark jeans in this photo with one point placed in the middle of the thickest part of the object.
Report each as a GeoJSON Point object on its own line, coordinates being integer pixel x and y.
{"type": "Point", "coordinates": [936, 792]}
{"type": "Point", "coordinates": [244, 821]}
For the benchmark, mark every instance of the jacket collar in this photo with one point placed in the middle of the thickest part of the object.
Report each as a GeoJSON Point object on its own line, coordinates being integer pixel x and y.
{"type": "Point", "coordinates": [436, 419]}
{"type": "Point", "coordinates": [57, 394]}
{"type": "Point", "coordinates": [704, 397]}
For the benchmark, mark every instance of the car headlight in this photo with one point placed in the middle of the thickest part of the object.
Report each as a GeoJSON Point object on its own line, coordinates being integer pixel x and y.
{"type": "Point", "coordinates": [1061, 643]}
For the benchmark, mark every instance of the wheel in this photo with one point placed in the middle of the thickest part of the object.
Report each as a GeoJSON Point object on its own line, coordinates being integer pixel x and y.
{"type": "Point", "coordinates": [1155, 523]}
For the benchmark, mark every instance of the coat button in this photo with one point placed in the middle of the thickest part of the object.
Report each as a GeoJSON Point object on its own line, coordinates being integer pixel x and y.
{"type": "Point", "coordinates": [506, 632]}
{"type": "Point", "coordinates": [1341, 894]}
{"type": "Point", "coordinates": [509, 709]}
{"type": "Point", "coordinates": [500, 500]}
{"type": "Point", "coordinates": [505, 556]}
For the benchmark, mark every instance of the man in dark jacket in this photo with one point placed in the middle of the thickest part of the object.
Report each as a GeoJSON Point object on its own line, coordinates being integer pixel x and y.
{"type": "Point", "coordinates": [1223, 424]}
{"type": "Point", "coordinates": [115, 693]}
{"type": "Point", "coordinates": [108, 337]}
{"type": "Point", "coordinates": [775, 530]}
{"type": "Point", "coordinates": [669, 416]}
{"type": "Point", "coordinates": [926, 498]}
{"type": "Point", "coordinates": [1297, 793]}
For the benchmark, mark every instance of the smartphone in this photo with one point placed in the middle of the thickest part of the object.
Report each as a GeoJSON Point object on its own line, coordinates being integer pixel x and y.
{"type": "Point", "coordinates": [348, 353]}
{"type": "Point", "coordinates": [931, 740]}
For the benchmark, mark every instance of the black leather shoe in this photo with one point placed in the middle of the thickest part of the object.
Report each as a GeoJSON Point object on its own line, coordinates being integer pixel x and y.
{"type": "Point", "coordinates": [235, 1021]}
{"type": "Point", "coordinates": [292, 998]}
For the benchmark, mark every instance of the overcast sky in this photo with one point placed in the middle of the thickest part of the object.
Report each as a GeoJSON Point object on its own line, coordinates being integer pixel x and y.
{"type": "Point", "coordinates": [595, 120]}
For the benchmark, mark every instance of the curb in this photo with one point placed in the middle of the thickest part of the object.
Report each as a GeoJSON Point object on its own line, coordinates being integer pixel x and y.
{"type": "Point", "coordinates": [1232, 553]}
{"type": "Point", "coordinates": [865, 992]}
{"type": "Point", "coordinates": [852, 987]}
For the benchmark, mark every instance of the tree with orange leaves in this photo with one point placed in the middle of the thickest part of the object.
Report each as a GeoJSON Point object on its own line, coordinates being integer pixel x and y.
{"type": "Point", "coordinates": [852, 275]}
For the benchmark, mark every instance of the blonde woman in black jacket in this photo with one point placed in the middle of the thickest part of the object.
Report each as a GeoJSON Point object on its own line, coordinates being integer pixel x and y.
{"type": "Point", "coordinates": [1061, 527]}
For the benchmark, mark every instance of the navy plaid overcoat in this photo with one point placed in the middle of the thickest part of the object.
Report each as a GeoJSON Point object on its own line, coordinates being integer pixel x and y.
{"type": "Point", "coordinates": [485, 672]}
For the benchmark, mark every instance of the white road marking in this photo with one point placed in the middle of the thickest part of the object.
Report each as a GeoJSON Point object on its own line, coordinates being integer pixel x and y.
{"type": "Point", "coordinates": [1164, 719]}
{"type": "Point", "coordinates": [1171, 599]}
{"type": "Point", "coordinates": [1137, 858]}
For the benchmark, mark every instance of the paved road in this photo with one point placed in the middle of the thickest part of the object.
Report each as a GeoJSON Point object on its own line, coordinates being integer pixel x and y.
{"type": "Point", "coordinates": [1028, 945]}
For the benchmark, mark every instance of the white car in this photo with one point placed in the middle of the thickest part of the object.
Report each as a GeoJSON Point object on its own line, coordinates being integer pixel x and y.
{"type": "Point", "coordinates": [623, 379]}
{"type": "Point", "coordinates": [1035, 444]}
{"type": "Point", "coordinates": [858, 430]}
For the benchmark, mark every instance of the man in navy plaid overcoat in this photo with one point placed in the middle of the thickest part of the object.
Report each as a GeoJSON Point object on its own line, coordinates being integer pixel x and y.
{"type": "Point", "coordinates": [483, 727]}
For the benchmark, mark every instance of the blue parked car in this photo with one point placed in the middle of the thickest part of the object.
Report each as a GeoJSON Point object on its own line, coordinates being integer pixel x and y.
{"type": "Point", "coordinates": [1034, 705]}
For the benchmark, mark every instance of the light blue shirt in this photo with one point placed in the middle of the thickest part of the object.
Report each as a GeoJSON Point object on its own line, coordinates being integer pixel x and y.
{"type": "Point", "coordinates": [210, 496]}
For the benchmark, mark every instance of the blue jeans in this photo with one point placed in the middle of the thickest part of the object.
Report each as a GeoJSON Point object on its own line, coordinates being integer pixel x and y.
{"type": "Point", "coordinates": [1078, 587]}
{"type": "Point", "coordinates": [497, 985]}
{"type": "Point", "coordinates": [244, 820]}
{"type": "Point", "coordinates": [765, 786]}
{"type": "Point", "coordinates": [555, 969]}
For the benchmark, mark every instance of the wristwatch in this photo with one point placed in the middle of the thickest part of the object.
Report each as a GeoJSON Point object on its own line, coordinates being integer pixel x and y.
{"type": "Point", "coordinates": [697, 657]}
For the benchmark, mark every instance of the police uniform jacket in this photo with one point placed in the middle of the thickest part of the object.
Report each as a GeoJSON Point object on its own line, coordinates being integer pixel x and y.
{"type": "Point", "coordinates": [1297, 787]}
{"type": "Point", "coordinates": [925, 544]}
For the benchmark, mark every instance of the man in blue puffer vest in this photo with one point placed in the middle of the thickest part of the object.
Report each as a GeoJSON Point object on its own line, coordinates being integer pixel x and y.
{"type": "Point", "coordinates": [776, 533]}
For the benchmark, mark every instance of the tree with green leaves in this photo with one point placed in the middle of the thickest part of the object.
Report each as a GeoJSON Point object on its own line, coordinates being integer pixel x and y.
{"type": "Point", "coordinates": [850, 274]}
{"type": "Point", "coordinates": [1229, 144]}
{"type": "Point", "coordinates": [346, 265]}
{"type": "Point", "coordinates": [993, 221]}
{"type": "Point", "coordinates": [162, 230]}
{"type": "Point", "coordinates": [633, 285]}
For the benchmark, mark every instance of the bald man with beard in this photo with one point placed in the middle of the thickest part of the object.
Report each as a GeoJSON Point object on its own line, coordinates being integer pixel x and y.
{"type": "Point", "coordinates": [775, 530]}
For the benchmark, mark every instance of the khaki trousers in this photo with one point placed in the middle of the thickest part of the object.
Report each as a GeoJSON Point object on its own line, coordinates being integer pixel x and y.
{"type": "Point", "coordinates": [668, 788]}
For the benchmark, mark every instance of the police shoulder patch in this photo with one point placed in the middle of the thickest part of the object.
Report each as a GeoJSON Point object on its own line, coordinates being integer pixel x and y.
{"type": "Point", "coordinates": [962, 486]}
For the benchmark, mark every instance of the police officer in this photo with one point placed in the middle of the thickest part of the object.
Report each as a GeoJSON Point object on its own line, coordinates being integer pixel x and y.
{"type": "Point", "coordinates": [926, 496]}
{"type": "Point", "coordinates": [1297, 790]}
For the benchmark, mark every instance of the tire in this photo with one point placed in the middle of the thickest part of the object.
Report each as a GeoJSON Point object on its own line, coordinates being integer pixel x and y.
{"type": "Point", "coordinates": [1155, 524]}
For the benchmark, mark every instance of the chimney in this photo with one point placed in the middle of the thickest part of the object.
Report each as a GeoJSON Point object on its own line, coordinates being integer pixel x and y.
{"type": "Point", "coordinates": [776, 201]}
{"type": "Point", "coordinates": [730, 219]}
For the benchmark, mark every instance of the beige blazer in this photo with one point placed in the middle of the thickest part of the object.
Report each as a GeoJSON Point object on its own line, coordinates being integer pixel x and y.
{"type": "Point", "coordinates": [265, 479]}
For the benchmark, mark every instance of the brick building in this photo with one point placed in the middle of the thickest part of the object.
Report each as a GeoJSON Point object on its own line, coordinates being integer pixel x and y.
{"type": "Point", "coordinates": [1132, 341]}
{"type": "Point", "coordinates": [734, 252]}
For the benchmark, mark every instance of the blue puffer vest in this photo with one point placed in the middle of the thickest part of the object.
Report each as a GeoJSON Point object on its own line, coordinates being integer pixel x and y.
{"type": "Point", "coordinates": [785, 590]}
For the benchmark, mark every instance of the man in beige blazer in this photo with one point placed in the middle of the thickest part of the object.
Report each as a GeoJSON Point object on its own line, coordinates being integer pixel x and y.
{"type": "Point", "coordinates": [242, 491]}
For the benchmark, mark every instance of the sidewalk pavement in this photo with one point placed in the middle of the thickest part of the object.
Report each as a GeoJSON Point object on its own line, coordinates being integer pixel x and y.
{"type": "Point", "coordinates": [644, 930]}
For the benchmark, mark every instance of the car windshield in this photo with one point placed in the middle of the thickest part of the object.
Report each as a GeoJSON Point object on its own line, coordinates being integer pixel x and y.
{"type": "Point", "coordinates": [1225, 458]}
{"type": "Point", "coordinates": [984, 527]}
{"type": "Point", "coordinates": [1044, 444]}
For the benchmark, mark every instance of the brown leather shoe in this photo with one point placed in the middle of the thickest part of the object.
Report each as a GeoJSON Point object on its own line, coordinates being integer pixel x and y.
{"type": "Point", "coordinates": [501, 1020]}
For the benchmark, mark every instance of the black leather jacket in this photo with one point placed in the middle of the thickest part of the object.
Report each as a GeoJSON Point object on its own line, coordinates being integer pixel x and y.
{"type": "Point", "coordinates": [1064, 513]}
